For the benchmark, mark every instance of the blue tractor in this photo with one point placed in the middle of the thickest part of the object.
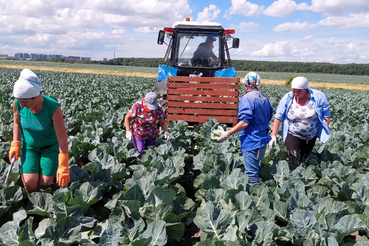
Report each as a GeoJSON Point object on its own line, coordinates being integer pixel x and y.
{"type": "Point", "coordinates": [195, 49]}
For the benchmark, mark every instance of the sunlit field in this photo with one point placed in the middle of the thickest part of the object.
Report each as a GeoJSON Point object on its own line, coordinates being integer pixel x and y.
{"type": "Point", "coordinates": [152, 71]}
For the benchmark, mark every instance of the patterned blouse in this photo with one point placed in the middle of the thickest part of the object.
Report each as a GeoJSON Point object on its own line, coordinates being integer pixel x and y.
{"type": "Point", "coordinates": [304, 120]}
{"type": "Point", "coordinates": [145, 123]}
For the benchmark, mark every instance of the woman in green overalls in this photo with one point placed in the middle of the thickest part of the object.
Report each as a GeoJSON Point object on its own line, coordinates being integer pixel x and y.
{"type": "Point", "coordinates": [39, 135]}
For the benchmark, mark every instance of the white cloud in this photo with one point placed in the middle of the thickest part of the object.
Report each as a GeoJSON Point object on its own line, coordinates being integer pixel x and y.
{"type": "Point", "coordinates": [344, 45]}
{"type": "Point", "coordinates": [129, 27]}
{"type": "Point", "coordinates": [273, 49]}
{"type": "Point", "coordinates": [296, 26]}
{"type": "Point", "coordinates": [34, 8]}
{"type": "Point", "coordinates": [246, 26]}
{"type": "Point", "coordinates": [334, 7]}
{"type": "Point", "coordinates": [39, 39]}
{"type": "Point", "coordinates": [65, 15]}
{"type": "Point", "coordinates": [337, 42]}
{"type": "Point", "coordinates": [303, 6]}
{"type": "Point", "coordinates": [88, 40]}
{"type": "Point", "coordinates": [136, 13]}
{"type": "Point", "coordinates": [86, 18]}
{"type": "Point", "coordinates": [243, 7]}
{"type": "Point", "coordinates": [208, 14]}
{"type": "Point", "coordinates": [119, 32]}
{"type": "Point", "coordinates": [9, 27]}
{"type": "Point", "coordinates": [303, 52]}
{"type": "Point", "coordinates": [45, 26]}
{"type": "Point", "coordinates": [119, 21]}
{"type": "Point", "coordinates": [344, 50]}
{"type": "Point", "coordinates": [364, 56]}
{"type": "Point", "coordinates": [308, 39]}
{"type": "Point", "coordinates": [349, 21]}
{"type": "Point", "coordinates": [21, 17]}
{"type": "Point", "coordinates": [85, 27]}
{"type": "Point", "coordinates": [147, 29]}
{"type": "Point", "coordinates": [292, 50]}
{"type": "Point", "coordinates": [72, 43]}
{"type": "Point", "coordinates": [281, 8]}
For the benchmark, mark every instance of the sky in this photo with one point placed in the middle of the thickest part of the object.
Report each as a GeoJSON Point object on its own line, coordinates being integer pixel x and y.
{"type": "Point", "coordinates": [334, 31]}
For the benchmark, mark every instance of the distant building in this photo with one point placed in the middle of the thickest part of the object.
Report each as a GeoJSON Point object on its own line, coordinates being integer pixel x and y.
{"type": "Point", "coordinates": [43, 57]}
{"type": "Point", "coordinates": [4, 56]}
{"type": "Point", "coordinates": [73, 58]}
{"type": "Point", "coordinates": [35, 57]}
{"type": "Point", "coordinates": [105, 59]}
{"type": "Point", "coordinates": [50, 57]}
{"type": "Point", "coordinates": [19, 56]}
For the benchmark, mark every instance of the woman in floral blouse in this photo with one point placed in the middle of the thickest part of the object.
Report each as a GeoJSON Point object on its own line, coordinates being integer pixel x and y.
{"type": "Point", "coordinates": [145, 117]}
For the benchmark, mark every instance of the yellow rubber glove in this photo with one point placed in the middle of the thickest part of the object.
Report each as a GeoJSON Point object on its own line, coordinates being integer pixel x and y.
{"type": "Point", "coordinates": [14, 150]}
{"type": "Point", "coordinates": [62, 174]}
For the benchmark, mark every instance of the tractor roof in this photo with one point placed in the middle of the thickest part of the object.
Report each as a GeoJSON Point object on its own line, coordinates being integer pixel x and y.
{"type": "Point", "coordinates": [197, 25]}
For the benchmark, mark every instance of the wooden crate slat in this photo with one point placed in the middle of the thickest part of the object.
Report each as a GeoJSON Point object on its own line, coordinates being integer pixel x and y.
{"type": "Point", "coordinates": [191, 111]}
{"type": "Point", "coordinates": [201, 99]}
{"type": "Point", "coordinates": [194, 86]}
{"type": "Point", "coordinates": [202, 92]}
{"type": "Point", "coordinates": [202, 105]}
{"type": "Point", "coordinates": [201, 118]}
{"type": "Point", "coordinates": [203, 79]}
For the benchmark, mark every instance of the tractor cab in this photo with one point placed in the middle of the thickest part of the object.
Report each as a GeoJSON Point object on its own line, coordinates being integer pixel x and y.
{"type": "Point", "coordinates": [198, 49]}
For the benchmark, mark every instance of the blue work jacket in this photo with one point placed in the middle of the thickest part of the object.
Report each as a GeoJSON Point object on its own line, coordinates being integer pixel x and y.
{"type": "Point", "coordinates": [254, 108]}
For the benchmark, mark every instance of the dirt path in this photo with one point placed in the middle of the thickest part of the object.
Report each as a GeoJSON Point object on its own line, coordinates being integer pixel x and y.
{"type": "Point", "coordinates": [83, 70]}
{"type": "Point", "coordinates": [312, 84]}
{"type": "Point", "coordinates": [325, 85]}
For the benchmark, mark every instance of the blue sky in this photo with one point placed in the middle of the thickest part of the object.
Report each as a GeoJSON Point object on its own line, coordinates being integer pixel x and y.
{"type": "Point", "coordinates": [335, 31]}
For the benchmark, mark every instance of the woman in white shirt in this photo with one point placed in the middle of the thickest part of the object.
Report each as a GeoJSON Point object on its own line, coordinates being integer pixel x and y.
{"type": "Point", "coordinates": [305, 115]}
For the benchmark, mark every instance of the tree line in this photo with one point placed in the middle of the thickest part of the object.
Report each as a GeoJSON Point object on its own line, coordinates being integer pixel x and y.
{"type": "Point", "coordinates": [248, 65]}
{"type": "Point", "coordinates": [302, 67]}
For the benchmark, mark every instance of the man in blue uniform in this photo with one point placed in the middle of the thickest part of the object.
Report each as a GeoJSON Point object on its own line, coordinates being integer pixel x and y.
{"type": "Point", "coordinates": [254, 114]}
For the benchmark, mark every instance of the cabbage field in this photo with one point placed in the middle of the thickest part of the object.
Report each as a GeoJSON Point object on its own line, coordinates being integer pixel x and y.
{"type": "Point", "coordinates": [188, 185]}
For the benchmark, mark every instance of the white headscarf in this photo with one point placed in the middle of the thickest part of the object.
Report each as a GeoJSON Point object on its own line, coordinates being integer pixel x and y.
{"type": "Point", "coordinates": [28, 85]}
{"type": "Point", "coordinates": [299, 83]}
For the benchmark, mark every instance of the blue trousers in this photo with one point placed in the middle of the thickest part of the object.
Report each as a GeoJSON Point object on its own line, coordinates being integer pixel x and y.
{"type": "Point", "coordinates": [251, 161]}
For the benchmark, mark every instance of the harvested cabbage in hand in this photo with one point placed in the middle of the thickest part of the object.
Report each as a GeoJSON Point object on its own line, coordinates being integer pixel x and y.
{"type": "Point", "coordinates": [216, 132]}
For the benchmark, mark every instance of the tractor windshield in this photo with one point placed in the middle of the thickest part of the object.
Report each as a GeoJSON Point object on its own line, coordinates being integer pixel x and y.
{"type": "Point", "coordinates": [198, 50]}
